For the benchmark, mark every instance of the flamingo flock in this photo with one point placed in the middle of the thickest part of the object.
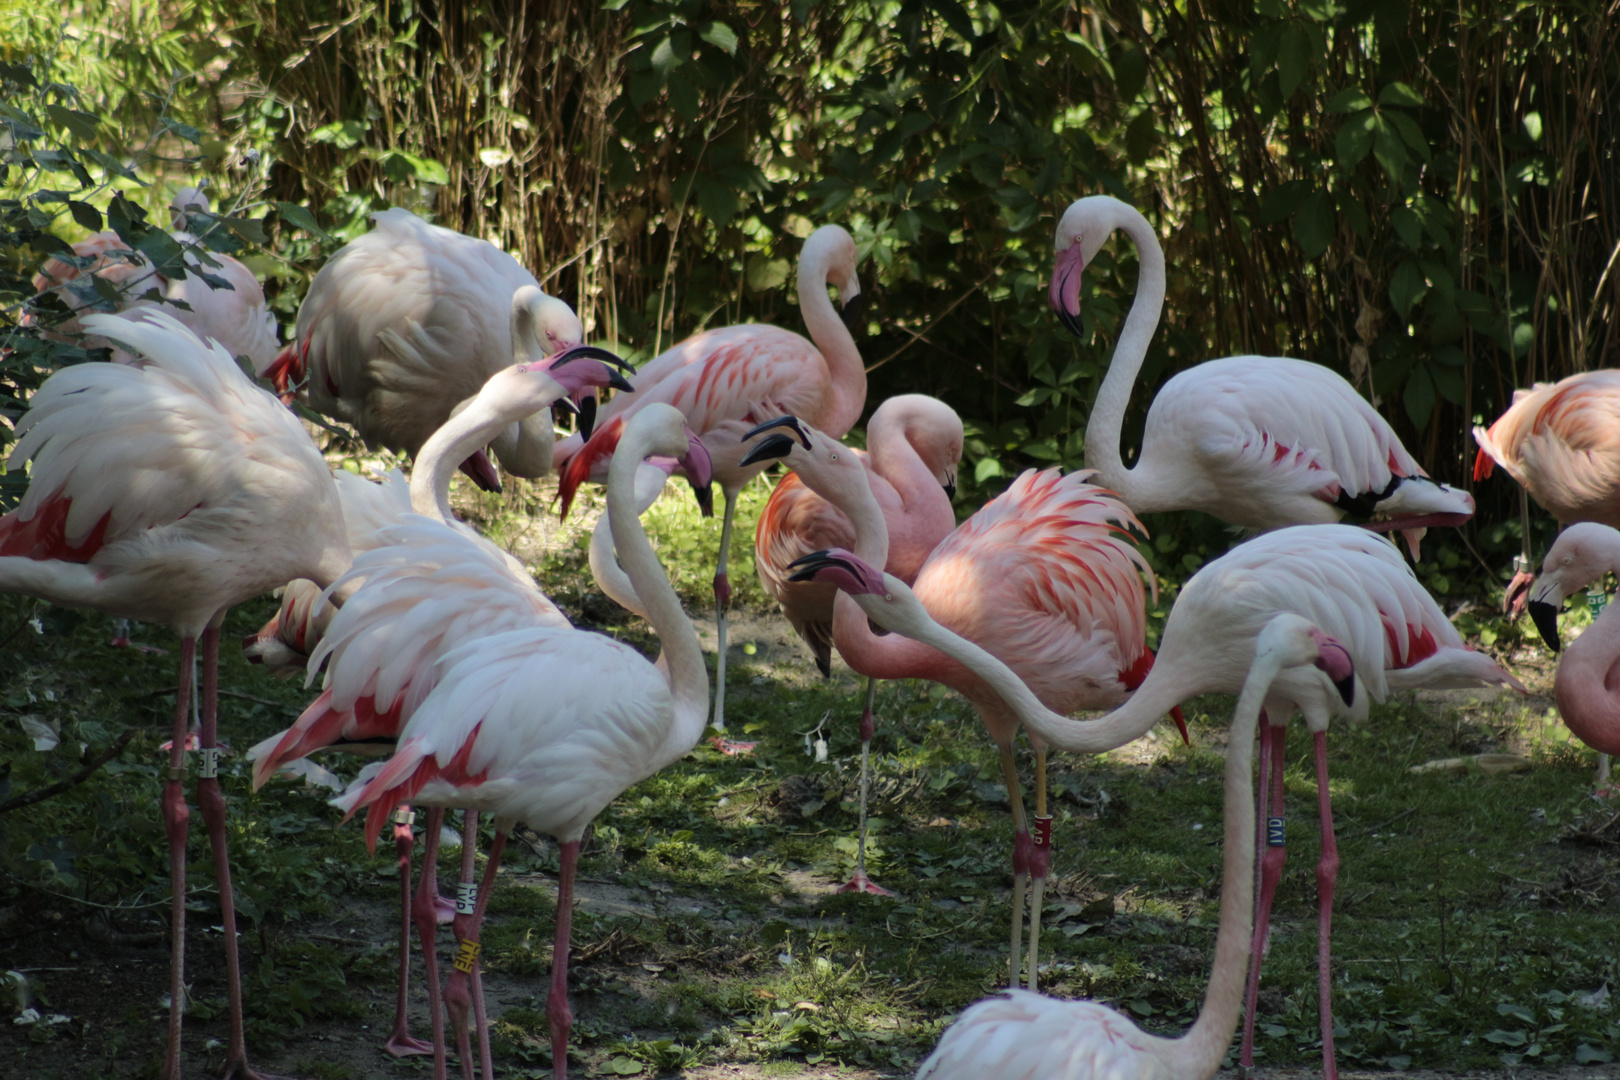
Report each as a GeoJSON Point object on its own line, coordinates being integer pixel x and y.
{"type": "Point", "coordinates": [437, 650]}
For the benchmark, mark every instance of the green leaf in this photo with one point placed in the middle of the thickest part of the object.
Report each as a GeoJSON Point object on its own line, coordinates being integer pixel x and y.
{"type": "Point", "coordinates": [1293, 60]}
{"type": "Point", "coordinates": [250, 229]}
{"type": "Point", "coordinates": [401, 167]}
{"type": "Point", "coordinates": [986, 469]}
{"type": "Point", "coordinates": [1354, 139]}
{"type": "Point", "coordinates": [1398, 93]}
{"type": "Point", "coordinates": [1130, 73]}
{"type": "Point", "coordinates": [343, 134]}
{"type": "Point", "coordinates": [720, 36]}
{"type": "Point", "coordinates": [1409, 132]}
{"type": "Point", "coordinates": [300, 218]}
{"type": "Point", "coordinates": [1350, 99]}
{"type": "Point", "coordinates": [683, 97]}
{"type": "Point", "coordinates": [1407, 226]}
{"type": "Point", "coordinates": [184, 131]}
{"type": "Point", "coordinates": [1389, 149]}
{"type": "Point", "coordinates": [1140, 137]}
{"type": "Point", "coordinates": [663, 59]}
{"type": "Point", "coordinates": [127, 219]}
{"type": "Point", "coordinates": [624, 1066]}
{"type": "Point", "coordinates": [86, 215]}
{"type": "Point", "coordinates": [1418, 397]}
{"type": "Point", "coordinates": [955, 17]}
{"type": "Point", "coordinates": [1313, 225]}
{"type": "Point", "coordinates": [83, 125]}
{"type": "Point", "coordinates": [718, 202]}
{"type": "Point", "coordinates": [1407, 286]}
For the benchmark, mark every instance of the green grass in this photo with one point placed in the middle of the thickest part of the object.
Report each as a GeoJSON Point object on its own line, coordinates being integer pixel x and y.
{"type": "Point", "coordinates": [1469, 927]}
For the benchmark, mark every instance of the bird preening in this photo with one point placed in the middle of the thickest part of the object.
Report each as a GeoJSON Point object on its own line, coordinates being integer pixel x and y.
{"type": "Point", "coordinates": [166, 486]}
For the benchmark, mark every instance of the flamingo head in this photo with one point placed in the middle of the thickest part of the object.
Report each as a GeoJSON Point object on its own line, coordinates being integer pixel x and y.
{"type": "Point", "coordinates": [186, 202]}
{"type": "Point", "coordinates": [699, 470]}
{"type": "Point", "coordinates": [544, 329]}
{"type": "Point", "coordinates": [836, 566]}
{"type": "Point", "coordinates": [1080, 232]}
{"type": "Point", "coordinates": [582, 379]}
{"type": "Point", "coordinates": [827, 467]}
{"type": "Point", "coordinates": [1299, 642]}
{"type": "Point", "coordinates": [1583, 553]}
{"type": "Point", "coordinates": [931, 427]}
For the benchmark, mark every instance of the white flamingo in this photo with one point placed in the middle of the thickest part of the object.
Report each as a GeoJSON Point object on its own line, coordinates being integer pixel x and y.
{"type": "Point", "coordinates": [1256, 441]}
{"type": "Point", "coordinates": [546, 725]}
{"type": "Point", "coordinates": [728, 380]}
{"type": "Point", "coordinates": [1343, 579]}
{"type": "Point", "coordinates": [153, 488]}
{"type": "Point", "coordinates": [409, 319]}
{"type": "Point", "coordinates": [1018, 1035]}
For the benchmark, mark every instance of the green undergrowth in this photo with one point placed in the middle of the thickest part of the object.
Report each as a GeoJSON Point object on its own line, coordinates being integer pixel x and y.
{"type": "Point", "coordinates": [1473, 925]}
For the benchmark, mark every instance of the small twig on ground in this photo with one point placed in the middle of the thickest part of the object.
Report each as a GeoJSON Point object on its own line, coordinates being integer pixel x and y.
{"type": "Point", "coordinates": [40, 794]}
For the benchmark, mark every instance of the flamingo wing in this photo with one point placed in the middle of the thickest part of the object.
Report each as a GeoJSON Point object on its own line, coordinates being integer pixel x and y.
{"type": "Point", "coordinates": [1046, 577]}
{"type": "Point", "coordinates": [795, 522]}
{"type": "Point", "coordinates": [1562, 442]}
{"type": "Point", "coordinates": [1017, 1035]}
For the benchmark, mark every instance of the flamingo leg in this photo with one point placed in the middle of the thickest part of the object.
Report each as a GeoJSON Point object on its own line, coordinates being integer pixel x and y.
{"type": "Point", "coordinates": [458, 994]}
{"type": "Point", "coordinates": [211, 800]}
{"type": "Point", "coordinates": [722, 600]}
{"type": "Point", "coordinates": [401, 1043]}
{"type": "Point", "coordinates": [176, 819]}
{"type": "Point", "coordinates": [425, 913]}
{"type": "Point", "coordinates": [1040, 860]}
{"type": "Point", "coordinates": [1327, 876]}
{"type": "Point", "coordinates": [557, 1010]}
{"type": "Point", "coordinates": [1603, 776]}
{"type": "Point", "coordinates": [860, 882]}
{"type": "Point", "coordinates": [1271, 867]}
{"type": "Point", "coordinates": [1022, 847]}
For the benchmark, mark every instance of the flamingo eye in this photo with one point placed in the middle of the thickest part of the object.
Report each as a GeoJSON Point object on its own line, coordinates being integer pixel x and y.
{"type": "Point", "coordinates": [834, 457]}
{"type": "Point", "coordinates": [888, 596]}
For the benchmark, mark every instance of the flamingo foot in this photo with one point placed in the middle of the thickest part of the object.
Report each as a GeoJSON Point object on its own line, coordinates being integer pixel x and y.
{"type": "Point", "coordinates": [1518, 592]}
{"type": "Point", "coordinates": [241, 1070]}
{"type": "Point", "coordinates": [403, 1044]}
{"type": "Point", "coordinates": [860, 883]}
{"type": "Point", "coordinates": [730, 747]}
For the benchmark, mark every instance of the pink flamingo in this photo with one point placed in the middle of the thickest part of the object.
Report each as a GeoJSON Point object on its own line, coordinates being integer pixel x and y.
{"type": "Point", "coordinates": [409, 319]}
{"type": "Point", "coordinates": [1017, 1035]}
{"type": "Point", "coordinates": [1045, 573]}
{"type": "Point", "coordinates": [441, 580]}
{"type": "Point", "coordinates": [914, 443]}
{"type": "Point", "coordinates": [547, 725]}
{"type": "Point", "coordinates": [221, 297]}
{"type": "Point", "coordinates": [726, 381]}
{"type": "Point", "coordinates": [1341, 578]}
{"type": "Point", "coordinates": [1256, 441]}
{"type": "Point", "coordinates": [153, 487]}
{"type": "Point", "coordinates": [1561, 442]}
{"type": "Point", "coordinates": [1584, 686]}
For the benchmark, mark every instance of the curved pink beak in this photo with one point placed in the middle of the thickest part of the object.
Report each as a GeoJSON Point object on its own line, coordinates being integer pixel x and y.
{"type": "Point", "coordinates": [1064, 293]}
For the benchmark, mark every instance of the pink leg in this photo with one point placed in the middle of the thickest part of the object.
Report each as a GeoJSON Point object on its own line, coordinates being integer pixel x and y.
{"type": "Point", "coordinates": [557, 1010]}
{"type": "Point", "coordinates": [212, 803]}
{"type": "Point", "coordinates": [1271, 867]}
{"type": "Point", "coordinates": [1327, 876]}
{"type": "Point", "coordinates": [401, 1043]}
{"type": "Point", "coordinates": [463, 988]}
{"type": "Point", "coordinates": [860, 883]}
{"type": "Point", "coordinates": [424, 912]}
{"type": "Point", "coordinates": [176, 819]}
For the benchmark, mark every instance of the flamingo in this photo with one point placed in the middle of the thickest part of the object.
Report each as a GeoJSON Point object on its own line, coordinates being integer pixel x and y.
{"type": "Point", "coordinates": [1257, 441]}
{"type": "Point", "coordinates": [1559, 442]}
{"type": "Point", "coordinates": [1340, 577]}
{"type": "Point", "coordinates": [216, 296]}
{"type": "Point", "coordinates": [409, 319]}
{"type": "Point", "coordinates": [1018, 1035]}
{"type": "Point", "coordinates": [726, 381]}
{"type": "Point", "coordinates": [1074, 623]}
{"type": "Point", "coordinates": [1584, 686]}
{"type": "Point", "coordinates": [546, 725]}
{"type": "Point", "coordinates": [153, 487]}
{"type": "Point", "coordinates": [427, 580]}
{"type": "Point", "coordinates": [915, 443]}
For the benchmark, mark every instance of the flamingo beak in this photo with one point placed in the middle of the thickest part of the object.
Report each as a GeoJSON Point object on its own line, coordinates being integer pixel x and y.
{"type": "Point", "coordinates": [1064, 293]}
{"type": "Point", "coordinates": [586, 409]}
{"type": "Point", "coordinates": [838, 567]}
{"type": "Point", "coordinates": [851, 313]}
{"type": "Point", "coordinates": [1334, 659]}
{"type": "Point", "coordinates": [781, 421]}
{"type": "Point", "coordinates": [772, 446]}
{"type": "Point", "coordinates": [1545, 616]}
{"type": "Point", "coordinates": [594, 352]}
{"type": "Point", "coordinates": [699, 469]}
{"type": "Point", "coordinates": [950, 486]}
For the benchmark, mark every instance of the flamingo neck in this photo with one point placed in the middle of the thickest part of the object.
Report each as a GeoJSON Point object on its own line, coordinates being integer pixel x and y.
{"type": "Point", "coordinates": [1114, 396]}
{"type": "Point", "coordinates": [889, 656]}
{"type": "Point", "coordinates": [610, 576]}
{"type": "Point", "coordinates": [1588, 698]}
{"type": "Point", "coordinates": [688, 677]}
{"type": "Point", "coordinates": [846, 385]}
{"type": "Point", "coordinates": [922, 516]}
{"type": "Point", "coordinates": [437, 461]}
{"type": "Point", "coordinates": [1199, 1051]}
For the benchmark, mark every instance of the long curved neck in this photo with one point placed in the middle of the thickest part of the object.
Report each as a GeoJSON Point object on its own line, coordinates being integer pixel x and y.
{"type": "Point", "coordinates": [1587, 702]}
{"type": "Point", "coordinates": [925, 516]}
{"type": "Point", "coordinates": [437, 461]}
{"type": "Point", "coordinates": [1199, 1051]}
{"type": "Point", "coordinates": [846, 390]}
{"type": "Point", "coordinates": [610, 576]}
{"type": "Point", "coordinates": [1108, 411]}
{"type": "Point", "coordinates": [688, 677]}
{"type": "Point", "coordinates": [1161, 691]}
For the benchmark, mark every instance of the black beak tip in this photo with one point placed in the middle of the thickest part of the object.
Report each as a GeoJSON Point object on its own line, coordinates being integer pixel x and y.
{"type": "Point", "coordinates": [1071, 323]}
{"type": "Point", "coordinates": [587, 416]}
{"type": "Point", "coordinates": [1545, 616]}
{"type": "Point", "coordinates": [1347, 690]}
{"type": "Point", "coordinates": [852, 312]}
{"type": "Point", "coordinates": [772, 446]}
{"type": "Point", "coordinates": [950, 490]}
{"type": "Point", "coordinates": [705, 499]}
{"type": "Point", "coordinates": [619, 382]}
